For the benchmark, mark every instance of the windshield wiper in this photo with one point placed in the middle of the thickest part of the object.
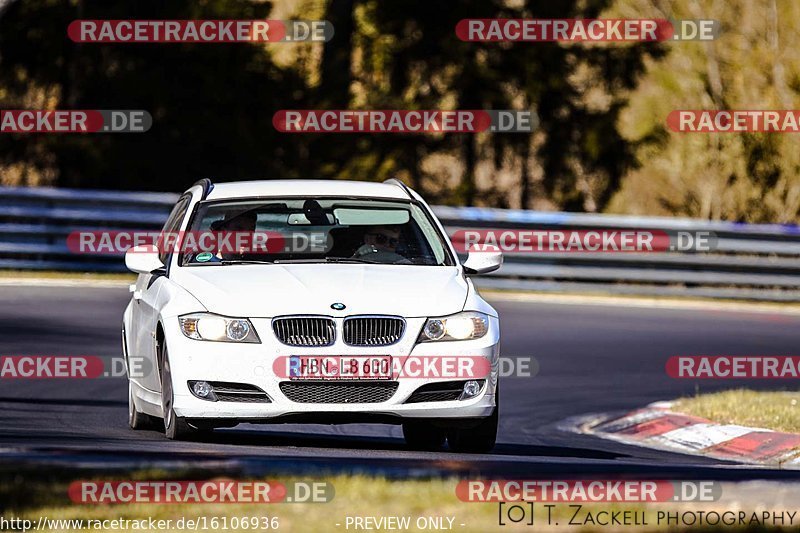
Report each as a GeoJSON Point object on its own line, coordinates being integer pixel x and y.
{"type": "Point", "coordinates": [348, 260]}
{"type": "Point", "coordinates": [327, 260]}
{"type": "Point", "coordinates": [244, 262]}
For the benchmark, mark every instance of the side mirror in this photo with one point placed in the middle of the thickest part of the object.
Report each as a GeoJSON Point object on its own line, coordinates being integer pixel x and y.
{"type": "Point", "coordinates": [483, 259]}
{"type": "Point", "coordinates": [143, 259]}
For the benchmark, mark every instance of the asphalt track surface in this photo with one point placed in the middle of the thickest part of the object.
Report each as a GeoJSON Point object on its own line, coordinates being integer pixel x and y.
{"type": "Point", "coordinates": [592, 358]}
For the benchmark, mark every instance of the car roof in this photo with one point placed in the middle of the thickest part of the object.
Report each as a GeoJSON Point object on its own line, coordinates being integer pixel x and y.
{"type": "Point", "coordinates": [301, 187]}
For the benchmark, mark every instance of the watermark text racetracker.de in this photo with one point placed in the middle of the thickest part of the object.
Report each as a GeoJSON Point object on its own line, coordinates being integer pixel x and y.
{"type": "Point", "coordinates": [584, 240]}
{"type": "Point", "coordinates": [586, 30]}
{"type": "Point", "coordinates": [74, 121]}
{"type": "Point", "coordinates": [199, 31]}
{"type": "Point", "coordinates": [733, 367]}
{"type": "Point", "coordinates": [403, 121]}
{"type": "Point", "coordinates": [734, 121]}
{"type": "Point", "coordinates": [587, 490]}
{"type": "Point", "coordinates": [210, 241]}
{"type": "Point", "coordinates": [225, 491]}
{"type": "Point", "coordinates": [72, 367]}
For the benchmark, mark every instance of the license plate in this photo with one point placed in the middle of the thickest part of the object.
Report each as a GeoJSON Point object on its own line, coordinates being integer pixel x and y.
{"type": "Point", "coordinates": [337, 367]}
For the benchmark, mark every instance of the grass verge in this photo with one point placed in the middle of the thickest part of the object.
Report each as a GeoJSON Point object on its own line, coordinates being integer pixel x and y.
{"type": "Point", "coordinates": [779, 411]}
{"type": "Point", "coordinates": [432, 501]}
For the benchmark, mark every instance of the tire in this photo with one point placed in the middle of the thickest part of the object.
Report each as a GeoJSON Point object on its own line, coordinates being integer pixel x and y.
{"type": "Point", "coordinates": [423, 436]}
{"type": "Point", "coordinates": [477, 439]}
{"type": "Point", "coordinates": [175, 427]}
{"type": "Point", "coordinates": [136, 419]}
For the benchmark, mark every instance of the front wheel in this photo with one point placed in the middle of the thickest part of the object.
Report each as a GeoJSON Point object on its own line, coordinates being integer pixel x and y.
{"type": "Point", "coordinates": [480, 438]}
{"type": "Point", "coordinates": [137, 419]}
{"type": "Point", "coordinates": [175, 427]}
{"type": "Point", "coordinates": [423, 436]}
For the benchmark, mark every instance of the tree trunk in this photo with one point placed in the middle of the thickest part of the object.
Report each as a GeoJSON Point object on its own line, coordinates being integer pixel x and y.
{"type": "Point", "coordinates": [334, 87]}
{"type": "Point", "coordinates": [525, 184]}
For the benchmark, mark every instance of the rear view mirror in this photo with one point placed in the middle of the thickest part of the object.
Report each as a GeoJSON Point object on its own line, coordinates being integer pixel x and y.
{"type": "Point", "coordinates": [483, 259]}
{"type": "Point", "coordinates": [301, 219]}
{"type": "Point", "coordinates": [371, 217]}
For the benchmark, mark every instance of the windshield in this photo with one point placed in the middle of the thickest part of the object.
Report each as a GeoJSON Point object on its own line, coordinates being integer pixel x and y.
{"type": "Point", "coordinates": [315, 230]}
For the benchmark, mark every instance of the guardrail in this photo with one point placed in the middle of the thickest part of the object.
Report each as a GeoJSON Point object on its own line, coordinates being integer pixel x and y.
{"type": "Point", "coordinates": [750, 261]}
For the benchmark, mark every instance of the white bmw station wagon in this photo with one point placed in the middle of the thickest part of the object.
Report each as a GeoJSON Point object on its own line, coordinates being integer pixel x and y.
{"type": "Point", "coordinates": [356, 310]}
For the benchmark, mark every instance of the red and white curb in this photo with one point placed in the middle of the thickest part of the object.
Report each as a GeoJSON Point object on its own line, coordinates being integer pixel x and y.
{"type": "Point", "coordinates": [656, 426]}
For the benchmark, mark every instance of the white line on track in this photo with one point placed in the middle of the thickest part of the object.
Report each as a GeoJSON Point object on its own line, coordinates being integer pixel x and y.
{"type": "Point", "coordinates": [701, 305]}
{"type": "Point", "coordinates": [56, 282]}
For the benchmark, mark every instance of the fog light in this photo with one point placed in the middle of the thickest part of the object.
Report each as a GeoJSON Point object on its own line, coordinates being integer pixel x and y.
{"type": "Point", "coordinates": [202, 390]}
{"type": "Point", "coordinates": [471, 389]}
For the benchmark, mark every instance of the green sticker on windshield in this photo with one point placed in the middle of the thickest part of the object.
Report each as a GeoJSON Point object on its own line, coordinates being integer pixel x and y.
{"type": "Point", "coordinates": [203, 257]}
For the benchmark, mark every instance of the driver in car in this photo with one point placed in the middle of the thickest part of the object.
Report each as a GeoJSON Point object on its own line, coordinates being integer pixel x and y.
{"type": "Point", "coordinates": [380, 240]}
{"type": "Point", "coordinates": [231, 223]}
{"type": "Point", "coordinates": [243, 222]}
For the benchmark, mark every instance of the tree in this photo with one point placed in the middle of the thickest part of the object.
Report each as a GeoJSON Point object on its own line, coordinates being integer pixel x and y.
{"type": "Point", "coordinates": [212, 105]}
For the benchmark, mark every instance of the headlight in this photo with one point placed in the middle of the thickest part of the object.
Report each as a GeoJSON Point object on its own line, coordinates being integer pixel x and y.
{"type": "Point", "coordinates": [208, 327]}
{"type": "Point", "coordinates": [460, 327]}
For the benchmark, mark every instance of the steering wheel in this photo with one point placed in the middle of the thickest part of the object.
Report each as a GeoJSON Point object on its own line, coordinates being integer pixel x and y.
{"type": "Point", "coordinates": [369, 253]}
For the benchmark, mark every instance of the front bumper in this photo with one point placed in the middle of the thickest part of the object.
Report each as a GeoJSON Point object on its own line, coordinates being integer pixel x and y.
{"type": "Point", "coordinates": [253, 364]}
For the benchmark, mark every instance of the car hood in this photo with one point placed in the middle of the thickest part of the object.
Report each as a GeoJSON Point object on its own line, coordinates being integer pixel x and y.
{"type": "Point", "coordinates": [272, 290]}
